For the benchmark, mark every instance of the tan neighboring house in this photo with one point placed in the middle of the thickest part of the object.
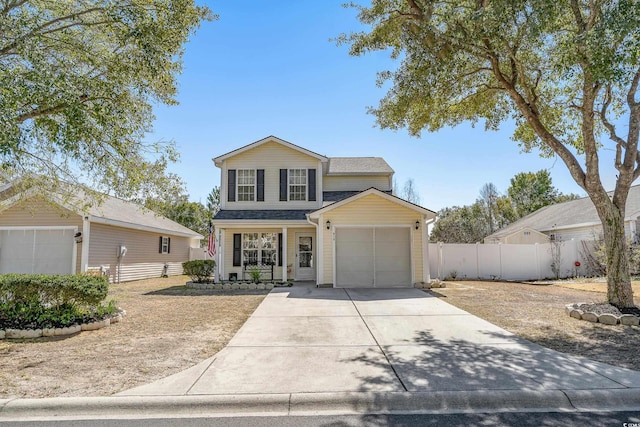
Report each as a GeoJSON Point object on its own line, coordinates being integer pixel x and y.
{"type": "Point", "coordinates": [571, 220]}
{"type": "Point", "coordinates": [305, 216]}
{"type": "Point", "coordinates": [519, 236]}
{"type": "Point", "coordinates": [118, 238]}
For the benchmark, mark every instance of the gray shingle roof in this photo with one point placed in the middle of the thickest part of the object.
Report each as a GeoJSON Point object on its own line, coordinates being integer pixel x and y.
{"type": "Point", "coordinates": [115, 209]}
{"type": "Point", "coordinates": [573, 212]}
{"type": "Point", "coordinates": [263, 214]}
{"type": "Point", "coordinates": [358, 166]}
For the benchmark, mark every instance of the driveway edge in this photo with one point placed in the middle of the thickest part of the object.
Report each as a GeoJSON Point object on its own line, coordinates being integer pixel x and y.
{"type": "Point", "coordinates": [437, 402]}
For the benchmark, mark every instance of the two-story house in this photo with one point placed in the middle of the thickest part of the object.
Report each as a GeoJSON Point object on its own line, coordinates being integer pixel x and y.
{"type": "Point", "coordinates": [331, 220]}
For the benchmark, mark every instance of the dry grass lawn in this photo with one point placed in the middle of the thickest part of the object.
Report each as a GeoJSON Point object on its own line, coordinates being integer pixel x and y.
{"type": "Point", "coordinates": [537, 313]}
{"type": "Point", "coordinates": [168, 328]}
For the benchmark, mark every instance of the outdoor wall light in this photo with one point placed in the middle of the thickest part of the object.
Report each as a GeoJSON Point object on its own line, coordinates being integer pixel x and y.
{"type": "Point", "coordinates": [328, 225]}
{"type": "Point", "coordinates": [417, 224]}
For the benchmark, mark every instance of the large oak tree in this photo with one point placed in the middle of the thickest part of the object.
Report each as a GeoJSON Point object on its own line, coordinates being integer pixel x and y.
{"type": "Point", "coordinates": [78, 80]}
{"type": "Point", "coordinates": [565, 71]}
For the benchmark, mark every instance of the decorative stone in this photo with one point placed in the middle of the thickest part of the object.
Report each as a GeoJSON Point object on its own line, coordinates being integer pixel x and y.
{"type": "Point", "coordinates": [576, 314]}
{"type": "Point", "coordinates": [252, 286]}
{"type": "Point", "coordinates": [2, 334]}
{"type": "Point", "coordinates": [235, 286]}
{"type": "Point", "coordinates": [226, 286]}
{"type": "Point", "coordinates": [630, 320]}
{"type": "Point", "coordinates": [608, 319]}
{"type": "Point", "coordinates": [67, 331]}
{"type": "Point", "coordinates": [568, 309]}
{"type": "Point", "coordinates": [96, 325]}
{"type": "Point", "coordinates": [268, 285]}
{"type": "Point", "coordinates": [23, 333]}
{"type": "Point", "coordinates": [243, 286]}
{"type": "Point", "coordinates": [217, 286]}
{"type": "Point", "coordinates": [116, 319]}
{"type": "Point", "coordinates": [260, 286]}
{"type": "Point", "coordinates": [590, 317]}
{"type": "Point", "coordinates": [48, 332]}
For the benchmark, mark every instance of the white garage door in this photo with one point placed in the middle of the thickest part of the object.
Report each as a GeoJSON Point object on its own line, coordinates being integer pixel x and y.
{"type": "Point", "coordinates": [373, 257]}
{"type": "Point", "coordinates": [43, 251]}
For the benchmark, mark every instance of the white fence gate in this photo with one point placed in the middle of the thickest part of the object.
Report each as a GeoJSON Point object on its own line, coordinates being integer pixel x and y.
{"type": "Point", "coordinates": [505, 261]}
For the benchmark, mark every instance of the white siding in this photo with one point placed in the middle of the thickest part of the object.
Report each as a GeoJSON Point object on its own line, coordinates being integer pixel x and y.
{"type": "Point", "coordinates": [271, 157]}
{"type": "Point", "coordinates": [356, 183]}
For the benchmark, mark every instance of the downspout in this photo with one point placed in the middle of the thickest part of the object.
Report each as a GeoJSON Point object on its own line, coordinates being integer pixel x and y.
{"type": "Point", "coordinates": [319, 250]}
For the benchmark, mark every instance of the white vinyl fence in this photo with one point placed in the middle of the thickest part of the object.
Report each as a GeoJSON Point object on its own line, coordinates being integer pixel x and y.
{"type": "Point", "coordinates": [505, 261]}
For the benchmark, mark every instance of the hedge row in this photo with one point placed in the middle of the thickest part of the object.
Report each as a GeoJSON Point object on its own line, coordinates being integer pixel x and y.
{"type": "Point", "coordinates": [31, 301]}
{"type": "Point", "coordinates": [199, 270]}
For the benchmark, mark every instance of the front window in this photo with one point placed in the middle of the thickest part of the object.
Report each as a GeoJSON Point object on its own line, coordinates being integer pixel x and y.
{"type": "Point", "coordinates": [246, 185]}
{"type": "Point", "coordinates": [297, 184]}
{"type": "Point", "coordinates": [259, 248]}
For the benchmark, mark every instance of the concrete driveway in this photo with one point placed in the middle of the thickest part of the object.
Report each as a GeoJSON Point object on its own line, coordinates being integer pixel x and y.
{"type": "Point", "coordinates": [305, 339]}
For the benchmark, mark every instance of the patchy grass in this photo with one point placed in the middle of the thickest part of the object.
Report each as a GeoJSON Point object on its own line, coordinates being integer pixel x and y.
{"type": "Point", "coordinates": [596, 286]}
{"type": "Point", "coordinates": [167, 329]}
{"type": "Point", "coordinates": [537, 313]}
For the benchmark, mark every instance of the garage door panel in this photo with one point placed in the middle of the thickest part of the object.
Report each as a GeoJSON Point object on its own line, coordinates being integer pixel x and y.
{"type": "Point", "coordinates": [379, 257]}
{"type": "Point", "coordinates": [46, 251]}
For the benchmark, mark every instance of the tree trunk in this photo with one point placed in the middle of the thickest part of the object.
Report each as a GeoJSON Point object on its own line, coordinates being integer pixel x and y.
{"type": "Point", "coordinates": [619, 291]}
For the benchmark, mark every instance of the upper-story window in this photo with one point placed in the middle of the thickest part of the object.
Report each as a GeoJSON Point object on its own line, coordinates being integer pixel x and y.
{"type": "Point", "coordinates": [297, 184]}
{"type": "Point", "coordinates": [246, 185]}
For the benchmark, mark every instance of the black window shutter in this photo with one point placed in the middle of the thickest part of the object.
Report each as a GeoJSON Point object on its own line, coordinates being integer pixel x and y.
{"type": "Point", "coordinates": [231, 185]}
{"type": "Point", "coordinates": [260, 181]}
{"type": "Point", "coordinates": [280, 249]}
{"type": "Point", "coordinates": [283, 185]}
{"type": "Point", "coordinates": [311, 185]}
{"type": "Point", "coordinates": [237, 252]}
{"type": "Point", "coordinates": [168, 245]}
{"type": "Point", "coordinates": [160, 247]}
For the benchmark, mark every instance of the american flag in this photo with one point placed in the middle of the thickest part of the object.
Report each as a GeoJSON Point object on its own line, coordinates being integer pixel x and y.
{"type": "Point", "coordinates": [211, 242]}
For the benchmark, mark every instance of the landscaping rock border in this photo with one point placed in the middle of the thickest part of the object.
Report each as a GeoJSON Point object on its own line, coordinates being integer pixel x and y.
{"type": "Point", "coordinates": [234, 286]}
{"type": "Point", "coordinates": [605, 318]}
{"type": "Point", "coordinates": [57, 332]}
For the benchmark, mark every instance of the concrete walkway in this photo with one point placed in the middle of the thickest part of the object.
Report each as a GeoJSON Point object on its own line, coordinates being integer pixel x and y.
{"type": "Point", "coordinates": [311, 350]}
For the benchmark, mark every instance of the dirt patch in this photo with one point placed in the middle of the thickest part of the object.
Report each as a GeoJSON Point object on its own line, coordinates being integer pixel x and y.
{"type": "Point", "coordinates": [537, 313]}
{"type": "Point", "coordinates": [167, 329]}
{"type": "Point", "coordinates": [595, 286]}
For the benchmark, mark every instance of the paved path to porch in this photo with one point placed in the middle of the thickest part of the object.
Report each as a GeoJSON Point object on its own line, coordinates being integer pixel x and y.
{"type": "Point", "coordinates": [305, 339]}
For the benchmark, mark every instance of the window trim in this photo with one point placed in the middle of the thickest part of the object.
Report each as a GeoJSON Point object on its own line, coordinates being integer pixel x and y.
{"type": "Point", "coordinates": [165, 242]}
{"type": "Point", "coordinates": [238, 185]}
{"type": "Point", "coordinates": [260, 248]}
{"type": "Point", "coordinates": [305, 175]}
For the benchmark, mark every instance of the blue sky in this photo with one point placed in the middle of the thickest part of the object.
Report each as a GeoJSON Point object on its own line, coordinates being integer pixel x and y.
{"type": "Point", "coordinates": [269, 68]}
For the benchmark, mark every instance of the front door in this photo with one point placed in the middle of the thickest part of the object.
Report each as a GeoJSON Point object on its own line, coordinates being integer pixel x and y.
{"type": "Point", "coordinates": [305, 263]}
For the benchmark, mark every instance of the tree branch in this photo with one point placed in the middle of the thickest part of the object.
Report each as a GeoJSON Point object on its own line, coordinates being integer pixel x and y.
{"type": "Point", "coordinates": [37, 112]}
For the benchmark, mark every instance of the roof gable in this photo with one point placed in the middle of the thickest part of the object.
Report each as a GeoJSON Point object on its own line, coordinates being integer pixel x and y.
{"type": "Point", "coordinates": [373, 191]}
{"type": "Point", "coordinates": [218, 160]}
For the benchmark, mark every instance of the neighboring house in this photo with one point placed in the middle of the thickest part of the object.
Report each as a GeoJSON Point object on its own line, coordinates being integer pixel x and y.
{"type": "Point", "coordinates": [118, 238]}
{"type": "Point", "coordinates": [311, 217]}
{"type": "Point", "coordinates": [575, 219]}
{"type": "Point", "coordinates": [519, 236]}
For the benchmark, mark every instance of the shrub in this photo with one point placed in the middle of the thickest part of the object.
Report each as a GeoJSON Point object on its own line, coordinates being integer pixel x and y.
{"type": "Point", "coordinates": [31, 301]}
{"type": "Point", "coordinates": [199, 270]}
{"type": "Point", "coordinates": [255, 273]}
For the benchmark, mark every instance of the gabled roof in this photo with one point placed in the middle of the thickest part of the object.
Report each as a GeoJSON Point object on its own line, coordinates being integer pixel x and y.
{"type": "Point", "coordinates": [358, 166]}
{"type": "Point", "coordinates": [114, 211]}
{"type": "Point", "coordinates": [372, 190]}
{"type": "Point", "coordinates": [508, 232]}
{"type": "Point", "coordinates": [218, 160]}
{"type": "Point", "coordinates": [570, 214]}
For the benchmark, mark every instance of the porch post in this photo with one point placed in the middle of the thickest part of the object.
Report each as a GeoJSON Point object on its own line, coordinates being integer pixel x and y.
{"type": "Point", "coordinates": [84, 251]}
{"type": "Point", "coordinates": [220, 255]}
{"type": "Point", "coordinates": [426, 271]}
{"type": "Point", "coordinates": [284, 254]}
